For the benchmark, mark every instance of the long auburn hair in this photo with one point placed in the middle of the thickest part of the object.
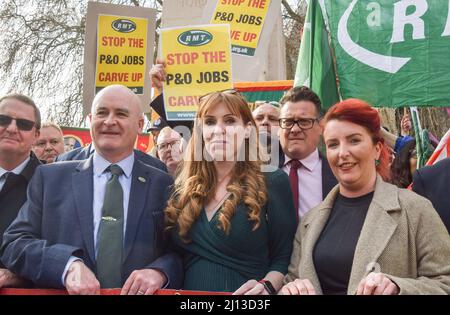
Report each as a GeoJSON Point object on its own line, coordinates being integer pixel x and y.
{"type": "Point", "coordinates": [361, 113]}
{"type": "Point", "coordinates": [196, 179]}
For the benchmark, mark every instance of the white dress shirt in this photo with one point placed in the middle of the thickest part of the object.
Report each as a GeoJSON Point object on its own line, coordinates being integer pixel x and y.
{"type": "Point", "coordinates": [16, 171]}
{"type": "Point", "coordinates": [309, 181]}
{"type": "Point", "coordinates": [100, 179]}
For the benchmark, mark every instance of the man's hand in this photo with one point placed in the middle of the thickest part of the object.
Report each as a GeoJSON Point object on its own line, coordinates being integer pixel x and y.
{"type": "Point", "coordinates": [8, 279]}
{"type": "Point", "coordinates": [145, 281]}
{"type": "Point", "coordinates": [158, 74]}
{"type": "Point", "coordinates": [298, 287]}
{"type": "Point", "coordinates": [377, 284]}
{"type": "Point", "coordinates": [80, 280]}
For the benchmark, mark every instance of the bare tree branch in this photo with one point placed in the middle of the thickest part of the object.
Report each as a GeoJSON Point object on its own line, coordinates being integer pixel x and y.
{"type": "Point", "coordinates": [291, 12]}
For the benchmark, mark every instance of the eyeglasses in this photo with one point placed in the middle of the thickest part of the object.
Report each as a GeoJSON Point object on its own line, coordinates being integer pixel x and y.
{"type": "Point", "coordinates": [302, 123]}
{"type": "Point", "coordinates": [273, 103]}
{"type": "Point", "coordinates": [227, 91]}
{"type": "Point", "coordinates": [165, 146]}
{"type": "Point", "coordinates": [22, 124]}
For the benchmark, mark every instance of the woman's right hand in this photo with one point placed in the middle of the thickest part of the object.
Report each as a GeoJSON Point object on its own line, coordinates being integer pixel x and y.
{"type": "Point", "coordinates": [298, 287]}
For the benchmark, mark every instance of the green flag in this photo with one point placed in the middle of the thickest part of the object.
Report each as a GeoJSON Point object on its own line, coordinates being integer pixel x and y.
{"type": "Point", "coordinates": [315, 66]}
{"type": "Point", "coordinates": [392, 53]}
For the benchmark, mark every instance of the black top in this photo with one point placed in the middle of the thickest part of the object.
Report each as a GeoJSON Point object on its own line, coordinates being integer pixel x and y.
{"type": "Point", "coordinates": [335, 248]}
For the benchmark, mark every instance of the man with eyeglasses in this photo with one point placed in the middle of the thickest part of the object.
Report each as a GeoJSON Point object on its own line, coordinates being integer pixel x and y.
{"type": "Point", "coordinates": [50, 143]}
{"type": "Point", "coordinates": [20, 122]}
{"type": "Point", "coordinates": [169, 149]}
{"type": "Point", "coordinates": [309, 172]}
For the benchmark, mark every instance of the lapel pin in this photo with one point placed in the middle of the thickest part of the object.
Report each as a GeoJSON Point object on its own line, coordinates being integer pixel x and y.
{"type": "Point", "coordinates": [141, 179]}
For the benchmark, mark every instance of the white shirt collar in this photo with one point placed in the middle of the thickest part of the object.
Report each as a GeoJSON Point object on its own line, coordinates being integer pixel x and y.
{"type": "Point", "coordinates": [18, 169]}
{"type": "Point", "coordinates": [101, 164]}
{"type": "Point", "coordinates": [310, 162]}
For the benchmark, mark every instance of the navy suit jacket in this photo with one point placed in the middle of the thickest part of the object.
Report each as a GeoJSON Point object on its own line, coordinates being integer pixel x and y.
{"type": "Point", "coordinates": [433, 183]}
{"type": "Point", "coordinates": [57, 222]}
{"type": "Point", "coordinates": [84, 153]}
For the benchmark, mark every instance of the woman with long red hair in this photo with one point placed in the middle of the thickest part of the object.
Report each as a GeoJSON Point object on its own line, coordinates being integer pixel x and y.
{"type": "Point", "coordinates": [367, 237]}
{"type": "Point", "coordinates": [232, 223]}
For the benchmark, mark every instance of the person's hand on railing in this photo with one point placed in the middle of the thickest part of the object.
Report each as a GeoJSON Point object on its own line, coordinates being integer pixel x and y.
{"type": "Point", "coordinates": [144, 282]}
{"type": "Point", "coordinates": [8, 279]}
{"type": "Point", "coordinates": [80, 280]}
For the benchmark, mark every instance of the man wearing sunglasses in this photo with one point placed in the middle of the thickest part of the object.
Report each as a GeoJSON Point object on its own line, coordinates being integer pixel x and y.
{"type": "Point", "coordinates": [309, 173]}
{"type": "Point", "coordinates": [19, 128]}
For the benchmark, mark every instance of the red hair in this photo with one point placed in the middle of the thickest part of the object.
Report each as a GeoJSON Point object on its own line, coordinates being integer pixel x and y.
{"type": "Point", "coordinates": [361, 113]}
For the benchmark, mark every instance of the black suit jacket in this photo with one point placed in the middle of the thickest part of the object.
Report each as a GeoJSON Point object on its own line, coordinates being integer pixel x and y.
{"type": "Point", "coordinates": [57, 221]}
{"type": "Point", "coordinates": [14, 194]}
{"type": "Point", "coordinates": [433, 183]}
{"type": "Point", "coordinates": [328, 179]}
{"type": "Point", "coordinates": [84, 153]}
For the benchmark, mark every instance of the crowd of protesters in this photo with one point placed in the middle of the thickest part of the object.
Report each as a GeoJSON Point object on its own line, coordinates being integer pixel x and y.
{"type": "Point", "coordinates": [206, 212]}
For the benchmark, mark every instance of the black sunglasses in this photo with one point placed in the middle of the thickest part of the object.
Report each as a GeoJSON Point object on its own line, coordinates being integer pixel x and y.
{"type": "Point", "coordinates": [22, 124]}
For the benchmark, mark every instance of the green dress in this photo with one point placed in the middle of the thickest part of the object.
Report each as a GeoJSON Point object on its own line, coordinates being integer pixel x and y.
{"type": "Point", "coordinates": [216, 261]}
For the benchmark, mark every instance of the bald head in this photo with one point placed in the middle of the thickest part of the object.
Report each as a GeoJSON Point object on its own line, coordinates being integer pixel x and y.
{"type": "Point", "coordinates": [116, 121]}
{"type": "Point", "coordinates": [121, 92]}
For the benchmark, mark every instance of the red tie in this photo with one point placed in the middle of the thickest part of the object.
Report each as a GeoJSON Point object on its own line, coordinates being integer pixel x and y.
{"type": "Point", "coordinates": [293, 179]}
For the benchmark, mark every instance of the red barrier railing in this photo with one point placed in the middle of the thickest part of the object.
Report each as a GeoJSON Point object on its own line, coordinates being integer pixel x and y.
{"type": "Point", "coordinates": [9, 291]}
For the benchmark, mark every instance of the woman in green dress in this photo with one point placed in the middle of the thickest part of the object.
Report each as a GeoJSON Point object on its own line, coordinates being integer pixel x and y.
{"type": "Point", "coordinates": [233, 224]}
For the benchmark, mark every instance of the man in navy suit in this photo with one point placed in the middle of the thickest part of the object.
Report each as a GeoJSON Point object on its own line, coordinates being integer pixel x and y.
{"type": "Point", "coordinates": [84, 153]}
{"type": "Point", "coordinates": [63, 235]}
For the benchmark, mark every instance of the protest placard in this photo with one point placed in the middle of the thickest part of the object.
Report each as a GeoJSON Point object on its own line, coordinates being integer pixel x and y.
{"type": "Point", "coordinates": [198, 62]}
{"type": "Point", "coordinates": [246, 19]}
{"type": "Point", "coordinates": [118, 50]}
{"type": "Point", "coordinates": [121, 51]}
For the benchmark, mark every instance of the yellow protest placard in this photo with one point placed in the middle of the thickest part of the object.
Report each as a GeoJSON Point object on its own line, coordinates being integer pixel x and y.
{"type": "Point", "coordinates": [121, 52]}
{"type": "Point", "coordinates": [198, 61]}
{"type": "Point", "coordinates": [246, 19]}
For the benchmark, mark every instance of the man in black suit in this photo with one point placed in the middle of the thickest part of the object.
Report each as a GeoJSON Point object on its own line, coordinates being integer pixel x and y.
{"type": "Point", "coordinates": [309, 172]}
{"type": "Point", "coordinates": [20, 122]}
{"type": "Point", "coordinates": [433, 183]}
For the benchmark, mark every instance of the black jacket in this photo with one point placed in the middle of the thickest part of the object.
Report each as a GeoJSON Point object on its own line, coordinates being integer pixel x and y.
{"type": "Point", "coordinates": [84, 153]}
{"type": "Point", "coordinates": [433, 183]}
{"type": "Point", "coordinates": [14, 194]}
